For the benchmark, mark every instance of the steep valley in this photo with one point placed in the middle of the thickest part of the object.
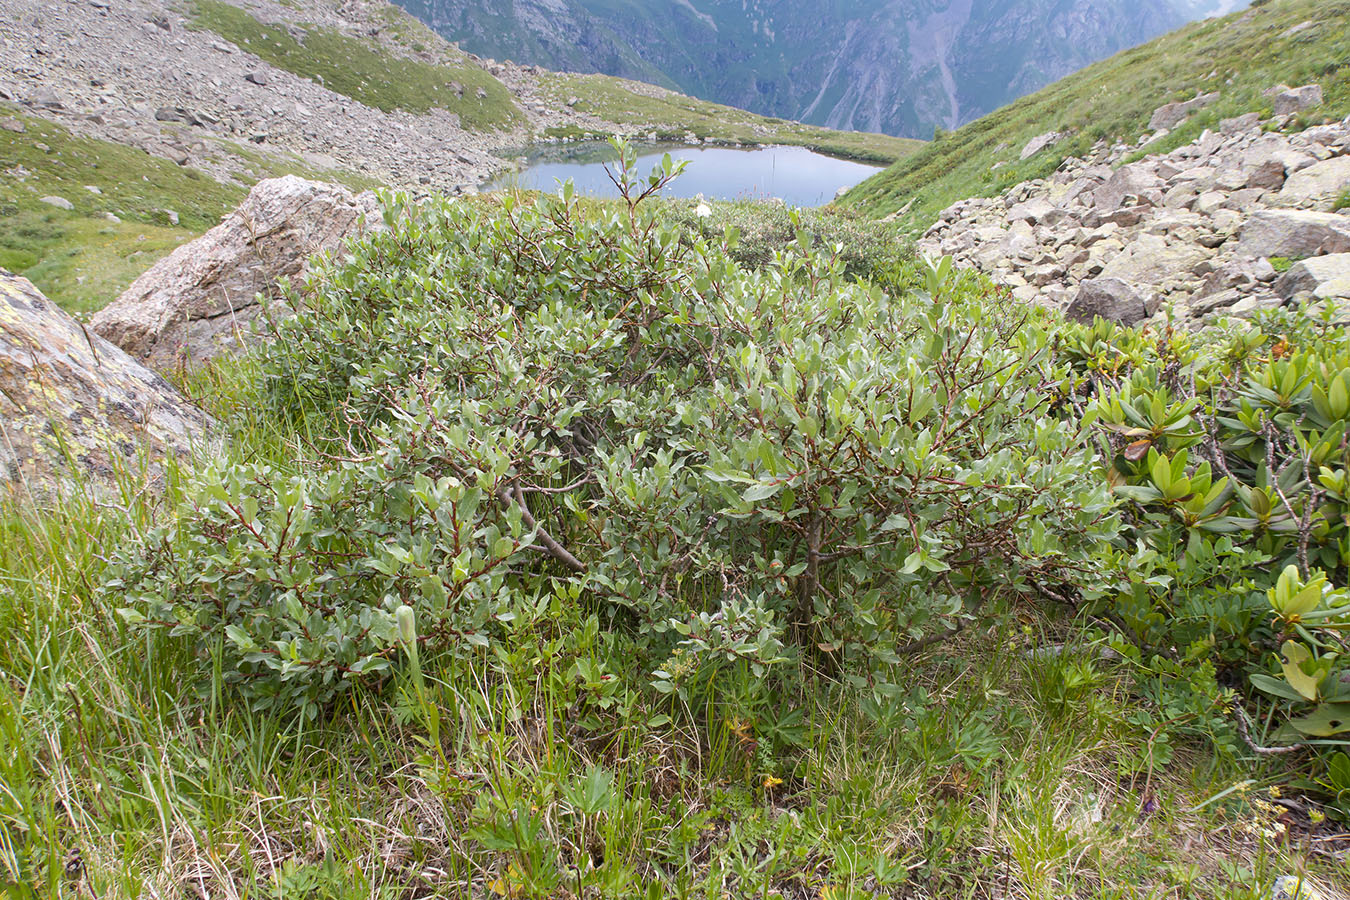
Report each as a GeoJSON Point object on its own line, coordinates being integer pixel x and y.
{"type": "Point", "coordinates": [901, 67]}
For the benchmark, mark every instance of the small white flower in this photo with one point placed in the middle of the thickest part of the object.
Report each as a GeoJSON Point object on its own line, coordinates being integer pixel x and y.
{"type": "Point", "coordinates": [703, 210]}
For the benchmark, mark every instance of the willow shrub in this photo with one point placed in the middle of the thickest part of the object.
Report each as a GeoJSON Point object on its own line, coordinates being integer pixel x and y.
{"type": "Point", "coordinates": [545, 402]}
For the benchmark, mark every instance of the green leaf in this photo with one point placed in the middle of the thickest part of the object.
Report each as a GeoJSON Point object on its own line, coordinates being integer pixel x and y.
{"type": "Point", "coordinates": [240, 638]}
{"type": "Point", "coordinates": [1275, 687]}
{"type": "Point", "coordinates": [1330, 719]}
{"type": "Point", "coordinates": [1291, 598]}
{"type": "Point", "coordinates": [1162, 473]}
{"type": "Point", "coordinates": [761, 491]}
{"type": "Point", "coordinates": [595, 792]}
{"type": "Point", "coordinates": [1294, 660]}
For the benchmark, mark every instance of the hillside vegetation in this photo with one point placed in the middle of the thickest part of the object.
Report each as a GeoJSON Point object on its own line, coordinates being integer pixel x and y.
{"type": "Point", "coordinates": [672, 116]}
{"type": "Point", "coordinates": [1240, 56]}
{"type": "Point", "coordinates": [85, 256]}
{"type": "Point", "coordinates": [366, 71]}
{"type": "Point", "coordinates": [575, 549]}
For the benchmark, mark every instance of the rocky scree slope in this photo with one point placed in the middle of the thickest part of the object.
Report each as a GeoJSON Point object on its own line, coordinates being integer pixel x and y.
{"type": "Point", "coordinates": [193, 82]}
{"type": "Point", "coordinates": [152, 75]}
{"type": "Point", "coordinates": [1231, 61]}
{"type": "Point", "coordinates": [878, 65]}
{"type": "Point", "coordinates": [1238, 220]}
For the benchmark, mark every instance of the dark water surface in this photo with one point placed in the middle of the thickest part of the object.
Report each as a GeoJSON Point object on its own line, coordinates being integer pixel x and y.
{"type": "Point", "coordinates": [795, 175]}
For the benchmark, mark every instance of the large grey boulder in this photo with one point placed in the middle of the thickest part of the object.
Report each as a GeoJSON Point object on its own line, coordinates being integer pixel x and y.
{"type": "Point", "coordinates": [1036, 211]}
{"type": "Point", "coordinates": [1325, 277]}
{"type": "Point", "coordinates": [1173, 114]}
{"type": "Point", "coordinates": [1039, 143]}
{"type": "Point", "coordinates": [1294, 233]}
{"type": "Point", "coordinates": [1318, 186]}
{"type": "Point", "coordinates": [1150, 259]}
{"type": "Point", "coordinates": [1299, 98]}
{"type": "Point", "coordinates": [1133, 180]}
{"type": "Point", "coordinates": [75, 407]}
{"type": "Point", "coordinates": [202, 299]}
{"type": "Point", "coordinates": [1110, 298]}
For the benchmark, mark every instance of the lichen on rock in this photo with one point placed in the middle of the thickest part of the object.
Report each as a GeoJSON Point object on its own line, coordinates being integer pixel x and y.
{"type": "Point", "coordinates": [74, 407]}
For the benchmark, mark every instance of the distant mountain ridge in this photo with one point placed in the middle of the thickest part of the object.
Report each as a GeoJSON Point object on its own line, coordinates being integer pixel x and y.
{"type": "Point", "coordinates": [900, 67]}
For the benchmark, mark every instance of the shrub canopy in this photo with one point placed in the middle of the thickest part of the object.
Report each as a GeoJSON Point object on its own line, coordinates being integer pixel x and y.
{"type": "Point", "coordinates": [526, 402]}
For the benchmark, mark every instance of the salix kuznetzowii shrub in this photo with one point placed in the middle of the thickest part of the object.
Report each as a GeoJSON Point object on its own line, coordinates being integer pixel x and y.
{"type": "Point", "coordinates": [514, 400]}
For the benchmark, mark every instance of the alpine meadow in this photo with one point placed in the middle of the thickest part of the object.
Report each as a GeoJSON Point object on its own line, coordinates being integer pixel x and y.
{"type": "Point", "coordinates": [374, 527]}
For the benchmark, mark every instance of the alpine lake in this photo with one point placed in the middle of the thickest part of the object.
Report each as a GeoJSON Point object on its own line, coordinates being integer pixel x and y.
{"type": "Point", "coordinates": [795, 175]}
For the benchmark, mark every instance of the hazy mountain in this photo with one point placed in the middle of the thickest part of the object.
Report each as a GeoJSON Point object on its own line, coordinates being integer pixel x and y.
{"type": "Point", "coordinates": [898, 66]}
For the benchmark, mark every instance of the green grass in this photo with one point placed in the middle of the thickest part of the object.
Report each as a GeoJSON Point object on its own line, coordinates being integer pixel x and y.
{"type": "Point", "coordinates": [673, 115]}
{"type": "Point", "coordinates": [134, 185]}
{"type": "Point", "coordinates": [1240, 56]}
{"type": "Point", "coordinates": [993, 774]}
{"type": "Point", "coordinates": [365, 71]}
{"type": "Point", "coordinates": [80, 258]}
{"type": "Point", "coordinates": [82, 263]}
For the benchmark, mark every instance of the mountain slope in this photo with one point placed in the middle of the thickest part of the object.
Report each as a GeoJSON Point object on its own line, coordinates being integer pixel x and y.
{"type": "Point", "coordinates": [168, 112]}
{"type": "Point", "coordinates": [1239, 57]}
{"type": "Point", "coordinates": [896, 66]}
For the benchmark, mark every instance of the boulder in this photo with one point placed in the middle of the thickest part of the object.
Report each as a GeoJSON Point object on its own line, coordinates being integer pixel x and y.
{"type": "Point", "coordinates": [1036, 210]}
{"type": "Point", "coordinates": [177, 114]}
{"type": "Point", "coordinates": [1134, 180]}
{"type": "Point", "coordinates": [58, 202]}
{"type": "Point", "coordinates": [1268, 176]}
{"type": "Point", "coordinates": [1318, 186]}
{"type": "Point", "coordinates": [1209, 202]}
{"type": "Point", "coordinates": [202, 298]}
{"type": "Point", "coordinates": [73, 406]}
{"type": "Point", "coordinates": [1110, 298]}
{"type": "Point", "coordinates": [1202, 306]}
{"type": "Point", "coordinates": [1294, 232]}
{"type": "Point", "coordinates": [1299, 98]}
{"type": "Point", "coordinates": [1326, 277]}
{"type": "Point", "coordinates": [1243, 273]}
{"type": "Point", "coordinates": [1039, 143]}
{"type": "Point", "coordinates": [1173, 114]}
{"type": "Point", "coordinates": [1239, 124]}
{"type": "Point", "coordinates": [1150, 260]}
